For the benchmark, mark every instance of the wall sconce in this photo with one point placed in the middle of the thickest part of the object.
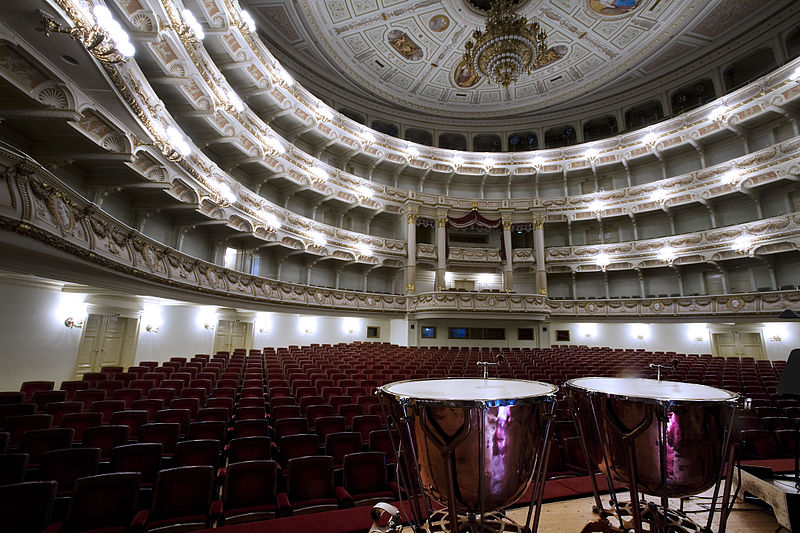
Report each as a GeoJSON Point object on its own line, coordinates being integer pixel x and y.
{"type": "Point", "coordinates": [307, 331]}
{"type": "Point", "coordinates": [640, 337]}
{"type": "Point", "coordinates": [208, 325]}
{"type": "Point", "coordinates": [775, 338]}
{"type": "Point", "coordinates": [587, 335]}
{"type": "Point", "coordinates": [150, 328]}
{"type": "Point", "coordinates": [70, 322]}
{"type": "Point", "coordinates": [699, 338]}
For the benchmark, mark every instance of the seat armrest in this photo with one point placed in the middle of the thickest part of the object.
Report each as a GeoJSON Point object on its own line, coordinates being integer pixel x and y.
{"type": "Point", "coordinates": [139, 521]}
{"type": "Point", "coordinates": [284, 507]}
{"type": "Point", "coordinates": [215, 513]}
{"type": "Point", "coordinates": [344, 498]}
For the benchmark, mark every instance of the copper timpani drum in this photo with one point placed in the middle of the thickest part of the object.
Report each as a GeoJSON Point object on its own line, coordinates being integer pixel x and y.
{"type": "Point", "coordinates": [663, 438]}
{"type": "Point", "coordinates": [472, 444]}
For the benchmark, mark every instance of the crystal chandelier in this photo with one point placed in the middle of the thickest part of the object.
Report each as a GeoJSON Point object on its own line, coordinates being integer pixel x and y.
{"type": "Point", "coordinates": [508, 48]}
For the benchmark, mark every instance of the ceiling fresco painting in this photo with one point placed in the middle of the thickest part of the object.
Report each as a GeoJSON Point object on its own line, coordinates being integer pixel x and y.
{"type": "Point", "coordinates": [407, 54]}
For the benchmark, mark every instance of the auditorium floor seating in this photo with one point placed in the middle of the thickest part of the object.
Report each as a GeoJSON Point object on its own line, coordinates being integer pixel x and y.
{"type": "Point", "coordinates": [237, 438]}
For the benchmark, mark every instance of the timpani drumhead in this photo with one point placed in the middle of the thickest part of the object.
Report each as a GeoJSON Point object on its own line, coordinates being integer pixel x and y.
{"type": "Point", "coordinates": [651, 389]}
{"type": "Point", "coordinates": [495, 391]}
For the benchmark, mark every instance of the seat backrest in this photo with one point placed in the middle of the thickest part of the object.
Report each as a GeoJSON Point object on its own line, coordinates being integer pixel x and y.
{"type": "Point", "coordinates": [182, 491]}
{"type": "Point", "coordinates": [250, 483]}
{"type": "Point", "coordinates": [88, 396]}
{"type": "Point", "coordinates": [326, 425]}
{"type": "Point", "coordinates": [15, 409]}
{"type": "Point", "coordinates": [249, 449]}
{"type": "Point", "coordinates": [251, 428]}
{"type": "Point", "coordinates": [302, 444]}
{"type": "Point", "coordinates": [65, 466]}
{"type": "Point", "coordinates": [12, 467]}
{"type": "Point", "coordinates": [142, 457]}
{"type": "Point", "coordinates": [16, 426]}
{"type": "Point", "coordinates": [309, 478]}
{"type": "Point", "coordinates": [30, 387]}
{"type": "Point", "coordinates": [365, 472]}
{"type": "Point", "coordinates": [208, 429]}
{"type": "Point", "coordinates": [339, 444]}
{"type": "Point", "coordinates": [103, 501]}
{"type": "Point", "coordinates": [105, 438]}
{"type": "Point", "coordinates": [38, 441]}
{"type": "Point", "coordinates": [59, 409]}
{"type": "Point", "coordinates": [164, 433]}
{"type": "Point", "coordinates": [43, 397]}
{"type": "Point", "coordinates": [197, 452]}
{"type": "Point", "coordinates": [26, 507]}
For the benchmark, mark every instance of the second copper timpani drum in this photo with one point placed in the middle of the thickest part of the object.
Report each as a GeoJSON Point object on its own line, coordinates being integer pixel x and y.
{"type": "Point", "coordinates": [615, 413]}
{"type": "Point", "coordinates": [475, 440]}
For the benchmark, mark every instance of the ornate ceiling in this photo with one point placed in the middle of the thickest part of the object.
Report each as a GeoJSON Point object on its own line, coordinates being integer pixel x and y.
{"type": "Point", "coordinates": [407, 53]}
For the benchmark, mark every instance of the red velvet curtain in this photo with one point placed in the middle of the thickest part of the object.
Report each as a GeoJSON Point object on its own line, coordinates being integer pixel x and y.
{"type": "Point", "coordinates": [474, 218]}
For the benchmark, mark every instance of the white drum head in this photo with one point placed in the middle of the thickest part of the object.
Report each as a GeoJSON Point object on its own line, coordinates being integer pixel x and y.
{"type": "Point", "coordinates": [469, 389]}
{"type": "Point", "coordinates": [652, 389]}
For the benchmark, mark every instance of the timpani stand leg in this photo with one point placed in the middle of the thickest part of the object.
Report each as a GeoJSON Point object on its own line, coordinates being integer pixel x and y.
{"type": "Point", "coordinates": [540, 471]}
{"type": "Point", "coordinates": [607, 465]}
{"type": "Point", "coordinates": [575, 408]}
{"type": "Point", "coordinates": [725, 471]}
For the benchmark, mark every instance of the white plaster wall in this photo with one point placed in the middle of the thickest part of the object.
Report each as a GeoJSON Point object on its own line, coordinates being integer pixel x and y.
{"type": "Point", "coordinates": [673, 337]}
{"type": "Point", "coordinates": [285, 329]}
{"type": "Point", "coordinates": [181, 334]}
{"type": "Point", "coordinates": [35, 343]}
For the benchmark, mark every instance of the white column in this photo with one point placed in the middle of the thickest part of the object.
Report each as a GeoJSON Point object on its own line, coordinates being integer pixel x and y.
{"type": "Point", "coordinates": [538, 251]}
{"type": "Point", "coordinates": [508, 267]}
{"type": "Point", "coordinates": [441, 251]}
{"type": "Point", "coordinates": [411, 245]}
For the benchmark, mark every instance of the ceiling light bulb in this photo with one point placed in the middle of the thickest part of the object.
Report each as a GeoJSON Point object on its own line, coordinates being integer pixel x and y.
{"type": "Point", "coordinates": [364, 249]}
{"type": "Point", "coordinates": [457, 160]}
{"type": "Point", "coordinates": [275, 145]}
{"type": "Point", "coordinates": [650, 138]}
{"type": "Point", "coordinates": [742, 243]}
{"type": "Point", "coordinates": [488, 162]}
{"type": "Point", "coordinates": [658, 195]}
{"type": "Point", "coordinates": [271, 220]}
{"type": "Point", "coordinates": [226, 192]}
{"type": "Point", "coordinates": [368, 137]}
{"type": "Point", "coordinates": [285, 76]}
{"type": "Point", "coordinates": [717, 113]}
{"type": "Point", "coordinates": [732, 176]}
{"type": "Point", "coordinates": [365, 191]}
{"type": "Point", "coordinates": [324, 112]}
{"type": "Point", "coordinates": [193, 24]}
{"type": "Point", "coordinates": [596, 205]}
{"type": "Point", "coordinates": [602, 259]}
{"type": "Point", "coordinates": [320, 172]}
{"type": "Point", "coordinates": [248, 20]}
{"type": "Point", "coordinates": [411, 151]}
{"type": "Point", "coordinates": [317, 238]}
{"type": "Point", "coordinates": [234, 100]}
{"type": "Point", "coordinates": [537, 161]}
{"type": "Point", "coordinates": [667, 253]}
{"type": "Point", "coordinates": [591, 153]}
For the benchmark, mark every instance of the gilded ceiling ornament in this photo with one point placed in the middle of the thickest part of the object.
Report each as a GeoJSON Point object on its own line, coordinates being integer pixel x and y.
{"type": "Point", "coordinates": [407, 48]}
{"type": "Point", "coordinates": [509, 46]}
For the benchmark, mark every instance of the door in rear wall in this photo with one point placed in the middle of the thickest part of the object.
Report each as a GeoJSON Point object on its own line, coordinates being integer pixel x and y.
{"type": "Point", "coordinates": [107, 340]}
{"type": "Point", "coordinates": [232, 334]}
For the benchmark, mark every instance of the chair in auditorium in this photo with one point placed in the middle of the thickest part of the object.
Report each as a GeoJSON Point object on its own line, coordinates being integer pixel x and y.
{"type": "Point", "coordinates": [89, 396]}
{"type": "Point", "coordinates": [365, 424]}
{"type": "Point", "coordinates": [28, 388]}
{"type": "Point", "coordinates": [208, 429]}
{"type": "Point", "coordinates": [182, 500]}
{"type": "Point", "coordinates": [182, 417]}
{"type": "Point", "coordinates": [164, 433]}
{"type": "Point", "coordinates": [105, 438]}
{"type": "Point", "coordinates": [12, 468]}
{"type": "Point", "coordinates": [11, 397]}
{"type": "Point", "coordinates": [310, 487]}
{"type": "Point", "coordinates": [365, 478]}
{"type": "Point", "coordinates": [44, 397]}
{"type": "Point", "coordinates": [108, 407]}
{"type": "Point", "coordinates": [38, 441]}
{"type": "Point", "coordinates": [150, 405]}
{"type": "Point", "coordinates": [133, 418]}
{"type": "Point", "coordinates": [105, 502]}
{"type": "Point", "coordinates": [190, 404]}
{"type": "Point", "coordinates": [15, 409]}
{"type": "Point", "coordinates": [144, 458]}
{"type": "Point", "coordinates": [300, 445]}
{"type": "Point", "coordinates": [127, 395]}
{"type": "Point", "coordinates": [79, 422]}
{"type": "Point", "coordinates": [251, 428]}
{"type": "Point", "coordinates": [65, 467]}
{"type": "Point", "coordinates": [59, 409]}
{"type": "Point", "coordinates": [26, 507]}
{"type": "Point", "coordinates": [249, 449]}
{"type": "Point", "coordinates": [340, 444]}
{"type": "Point", "coordinates": [16, 426]}
{"type": "Point", "coordinates": [251, 493]}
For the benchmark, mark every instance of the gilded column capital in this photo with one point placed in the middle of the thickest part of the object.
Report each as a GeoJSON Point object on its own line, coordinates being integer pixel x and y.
{"type": "Point", "coordinates": [411, 218]}
{"type": "Point", "coordinates": [506, 224]}
{"type": "Point", "coordinates": [410, 287]}
{"type": "Point", "coordinates": [442, 221]}
{"type": "Point", "coordinates": [538, 223]}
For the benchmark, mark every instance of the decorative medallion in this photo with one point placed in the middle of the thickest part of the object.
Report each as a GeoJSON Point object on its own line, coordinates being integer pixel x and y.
{"type": "Point", "coordinates": [149, 257]}
{"type": "Point", "coordinates": [657, 306]}
{"type": "Point", "coordinates": [463, 77]}
{"type": "Point", "coordinates": [591, 308]}
{"type": "Point", "coordinates": [439, 23]}
{"type": "Point", "coordinates": [407, 48]}
{"type": "Point", "coordinates": [613, 7]}
{"type": "Point", "coordinates": [63, 215]}
{"type": "Point", "coordinates": [735, 303]}
{"type": "Point", "coordinates": [319, 297]}
{"type": "Point", "coordinates": [370, 301]}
